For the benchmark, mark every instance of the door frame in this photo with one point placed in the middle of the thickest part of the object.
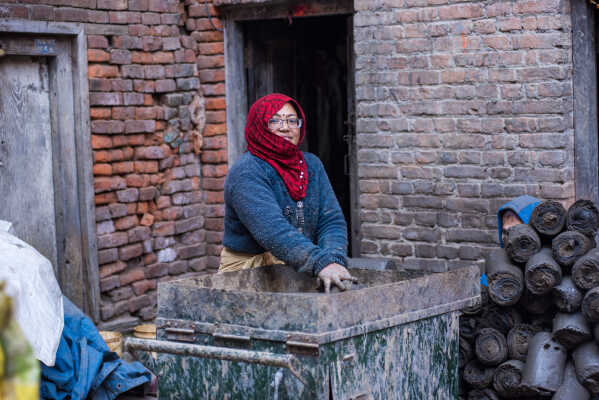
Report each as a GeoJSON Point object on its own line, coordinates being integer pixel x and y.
{"type": "Point", "coordinates": [236, 85]}
{"type": "Point", "coordinates": [65, 45]}
{"type": "Point", "coordinates": [584, 85]}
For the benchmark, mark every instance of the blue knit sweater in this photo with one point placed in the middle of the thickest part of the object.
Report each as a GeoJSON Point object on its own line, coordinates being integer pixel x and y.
{"type": "Point", "coordinates": [261, 216]}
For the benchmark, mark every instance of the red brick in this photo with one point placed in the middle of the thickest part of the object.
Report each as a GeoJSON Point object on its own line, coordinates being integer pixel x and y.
{"type": "Point", "coordinates": [215, 129]}
{"type": "Point", "coordinates": [102, 169]}
{"type": "Point", "coordinates": [133, 275]}
{"type": "Point", "coordinates": [109, 283]}
{"type": "Point", "coordinates": [39, 12]}
{"type": "Point", "coordinates": [212, 75]}
{"type": "Point", "coordinates": [162, 57]}
{"type": "Point", "coordinates": [102, 71]}
{"type": "Point", "coordinates": [214, 90]}
{"type": "Point", "coordinates": [156, 270]}
{"type": "Point", "coordinates": [214, 61]}
{"type": "Point", "coordinates": [119, 56]}
{"type": "Point", "coordinates": [147, 220]}
{"type": "Point", "coordinates": [214, 157]}
{"type": "Point", "coordinates": [14, 11]}
{"type": "Point", "coordinates": [101, 142]}
{"type": "Point", "coordinates": [214, 197]}
{"type": "Point", "coordinates": [214, 171]}
{"type": "Point", "coordinates": [216, 103]}
{"type": "Point", "coordinates": [111, 269]}
{"type": "Point", "coordinates": [115, 239]}
{"type": "Point", "coordinates": [99, 113]}
{"type": "Point", "coordinates": [95, 55]}
{"type": "Point", "coordinates": [123, 113]}
{"type": "Point", "coordinates": [70, 14]}
{"type": "Point", "coordinates": [214, 224]}
{"type": "Point", "coordinates": [104, 198]}
{"type": "Point", "coordinates": [142, 207]}
{"type": "Point", "coordinates": [97, 42]}
{"type": "Point", "coordinates": [163, 228]}
{"type": "Point", "coordinates": [143, 286]}
{"type": "Point", "coordinates": [131, 251]}
{"type": "Point", "coordinates": [211, 48]}
{"type": "Point", "coordinates": [102, 156]}
{"type": "Point", "coordinates": [125, 223]}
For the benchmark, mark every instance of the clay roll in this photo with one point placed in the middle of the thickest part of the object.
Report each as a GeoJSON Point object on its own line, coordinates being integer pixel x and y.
{"type": "Point", "coordinates": [569, 246]}
{"type": "Point", "coordinates": [517, 340]}
{"type": "Point", "coordinates": [571, 389]}
{"type": "Point", "coordinates": [548, 218]}
{"type": "Point", "coordinates": [483, 394]}
{"type": "Point", "coordinates": [542, 273]}
{"type": "Point", "coordinates": [571, 329]}
{"type": "Point", "coordinates": [477, 375]}
{"type": "Point", "coordinates": [585, 272]}
{"type": "Point", "coordinates": [586, 363]}
{"type": "Point", "coordinates": [545, 362]}
{"type": "Point", "coordinates": [583, 217]}
{"type": "Point", "coordinates": [521, 243]}
{"type": "Point", "coordinates": [566, 296]}
{"type": "Point", "coordinates": [506, 281]}
{"type": "Point", "coordinates": [507, 380]}
{"type": "Point", "coordinates": [590, 305]}
{"type": "Point", "coordinates": [468, 326]}
{"type": "Point", "coordinates": [501, 318]}
{"type": "Point", "coordinates": [490, 347]}
{"type": "Point", "coordinates": [536, 304]}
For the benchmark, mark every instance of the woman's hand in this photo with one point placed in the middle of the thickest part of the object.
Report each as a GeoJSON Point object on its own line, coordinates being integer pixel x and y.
{"type": "Point", "coordinates": [335, 273]}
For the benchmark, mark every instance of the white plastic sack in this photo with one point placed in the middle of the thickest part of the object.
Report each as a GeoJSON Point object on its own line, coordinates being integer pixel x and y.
{"type": "Point", "coordinates": [30, 282]}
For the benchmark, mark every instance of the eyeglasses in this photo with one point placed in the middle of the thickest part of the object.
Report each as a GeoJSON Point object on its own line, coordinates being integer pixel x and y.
{"type": "Point", "coordinates": [277, 123]}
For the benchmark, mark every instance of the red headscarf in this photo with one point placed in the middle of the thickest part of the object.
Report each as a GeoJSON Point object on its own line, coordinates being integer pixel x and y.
{"type": "Point", "coordinates": [285, 157]}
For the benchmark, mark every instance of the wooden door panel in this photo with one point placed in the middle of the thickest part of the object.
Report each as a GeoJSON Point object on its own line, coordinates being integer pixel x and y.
{"type": "Point", "coordinates": [26, 174]}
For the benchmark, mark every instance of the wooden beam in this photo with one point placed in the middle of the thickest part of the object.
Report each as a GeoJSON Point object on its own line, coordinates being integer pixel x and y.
{"type": "Point", "coordinates": [253, 10]}
{"type": "Point", "coordinates": [585, 101]}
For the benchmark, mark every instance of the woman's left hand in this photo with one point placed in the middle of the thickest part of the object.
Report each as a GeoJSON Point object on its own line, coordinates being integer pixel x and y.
{"type": "Point", "coordinates": [336, 274]}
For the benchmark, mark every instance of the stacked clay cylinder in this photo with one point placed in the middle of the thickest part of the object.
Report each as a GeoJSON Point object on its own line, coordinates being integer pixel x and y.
{"type": "Point", "coordinates": [535, 334]}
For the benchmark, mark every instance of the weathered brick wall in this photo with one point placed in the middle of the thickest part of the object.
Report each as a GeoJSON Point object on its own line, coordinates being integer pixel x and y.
{"type": "Point", "coordinates": [462, 105]}
{"type": "Point", "coordinates": [156, 73]}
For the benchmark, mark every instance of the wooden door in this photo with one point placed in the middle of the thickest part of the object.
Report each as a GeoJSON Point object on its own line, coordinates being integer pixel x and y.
{"type": "Point", "coordinates": [26, 173]}
{"type": "Point", "coordinates": [46, 180]}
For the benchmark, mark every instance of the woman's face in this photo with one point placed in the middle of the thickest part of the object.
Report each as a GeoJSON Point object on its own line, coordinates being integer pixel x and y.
{"type": "Point", "coordinates": [281, 124]}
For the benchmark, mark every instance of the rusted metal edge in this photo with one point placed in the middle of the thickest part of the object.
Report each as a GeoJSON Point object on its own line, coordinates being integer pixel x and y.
{"type": "Point", "coordinates": [331, 336]}
{"type": "Point", "coordinates": [220, 353]}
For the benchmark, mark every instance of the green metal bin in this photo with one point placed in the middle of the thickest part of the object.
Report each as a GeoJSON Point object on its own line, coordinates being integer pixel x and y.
{"type": "Point", "coordinates": [268, 333]}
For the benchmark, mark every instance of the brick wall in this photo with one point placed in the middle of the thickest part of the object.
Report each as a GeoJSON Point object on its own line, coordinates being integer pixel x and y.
{"type": "Point", "coordinates": [156, 73]}
{"type": "Point", "coordinates": [461, 106]}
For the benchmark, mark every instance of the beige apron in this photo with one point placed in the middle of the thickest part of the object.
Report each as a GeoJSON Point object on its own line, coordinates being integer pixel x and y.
{"type": "Point", "coordinates": [235, 260]}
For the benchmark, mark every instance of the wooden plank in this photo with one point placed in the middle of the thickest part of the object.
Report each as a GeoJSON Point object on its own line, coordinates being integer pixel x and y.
{"type": "Point", "coordinates": [252, 10]}
{"type": "Point", "coordinates": [40, 46]}
{"type": "Point", "coordinates": [68, 223]}
{"type": "Point", "coordinates": [26, 174]}
{"type": "Point", "coordinates": [235, 80]}
{"type": "Point", "coordinates": [40, 27]}
{"type": "Point", "coordinates": [585, 101]}
{"type": "Point", "coordinates": [354, 182]}
{"type": "Point", "coordinates": [85, 177]}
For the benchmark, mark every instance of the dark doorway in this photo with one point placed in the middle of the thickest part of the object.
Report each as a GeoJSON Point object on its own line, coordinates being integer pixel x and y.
{"type": "Point", "coordinates": [309, 59]}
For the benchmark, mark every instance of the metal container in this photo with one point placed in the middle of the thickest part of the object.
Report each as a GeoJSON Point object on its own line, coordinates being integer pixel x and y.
{"type": "Point", "coordinates": [268, 333]}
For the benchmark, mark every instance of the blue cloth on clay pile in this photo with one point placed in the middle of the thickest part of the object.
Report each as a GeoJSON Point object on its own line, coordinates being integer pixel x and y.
{"type": "Point", "coordinates": [85, 367]}
{"type": "Point", "coordinates": [261, 216]}
{"type": "Point", "coordinates": [522, 206]}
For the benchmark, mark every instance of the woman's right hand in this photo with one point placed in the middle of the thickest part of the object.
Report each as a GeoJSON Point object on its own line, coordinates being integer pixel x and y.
{"type": "Point", "coordinates": [336, 274]}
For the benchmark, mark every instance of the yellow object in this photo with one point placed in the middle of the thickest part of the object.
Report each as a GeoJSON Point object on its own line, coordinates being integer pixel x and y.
{"type": "Point", "coordinates": [145, 331]}
{"type": "Point", "coordinates": [114, 340]}
{"type": "Point", "coordinates": [236, 261]}
{"type": "Point", "coordinates": [20, 372]}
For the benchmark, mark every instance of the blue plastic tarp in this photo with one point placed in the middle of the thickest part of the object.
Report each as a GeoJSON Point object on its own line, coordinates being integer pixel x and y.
{"type": "Point", "coordinates": [85, 367]}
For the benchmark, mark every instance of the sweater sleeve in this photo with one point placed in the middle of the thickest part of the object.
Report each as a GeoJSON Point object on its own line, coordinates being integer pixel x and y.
{"type": "Point", "coordinates": [252, 198]}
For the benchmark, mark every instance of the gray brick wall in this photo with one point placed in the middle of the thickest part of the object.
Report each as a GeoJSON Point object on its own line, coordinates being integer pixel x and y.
{"type": "Point", "coordinates": [461, 106]}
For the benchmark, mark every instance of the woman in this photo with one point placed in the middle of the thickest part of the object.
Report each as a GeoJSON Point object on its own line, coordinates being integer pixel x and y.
{"type": "Point", "coordinates": [279, 201]}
